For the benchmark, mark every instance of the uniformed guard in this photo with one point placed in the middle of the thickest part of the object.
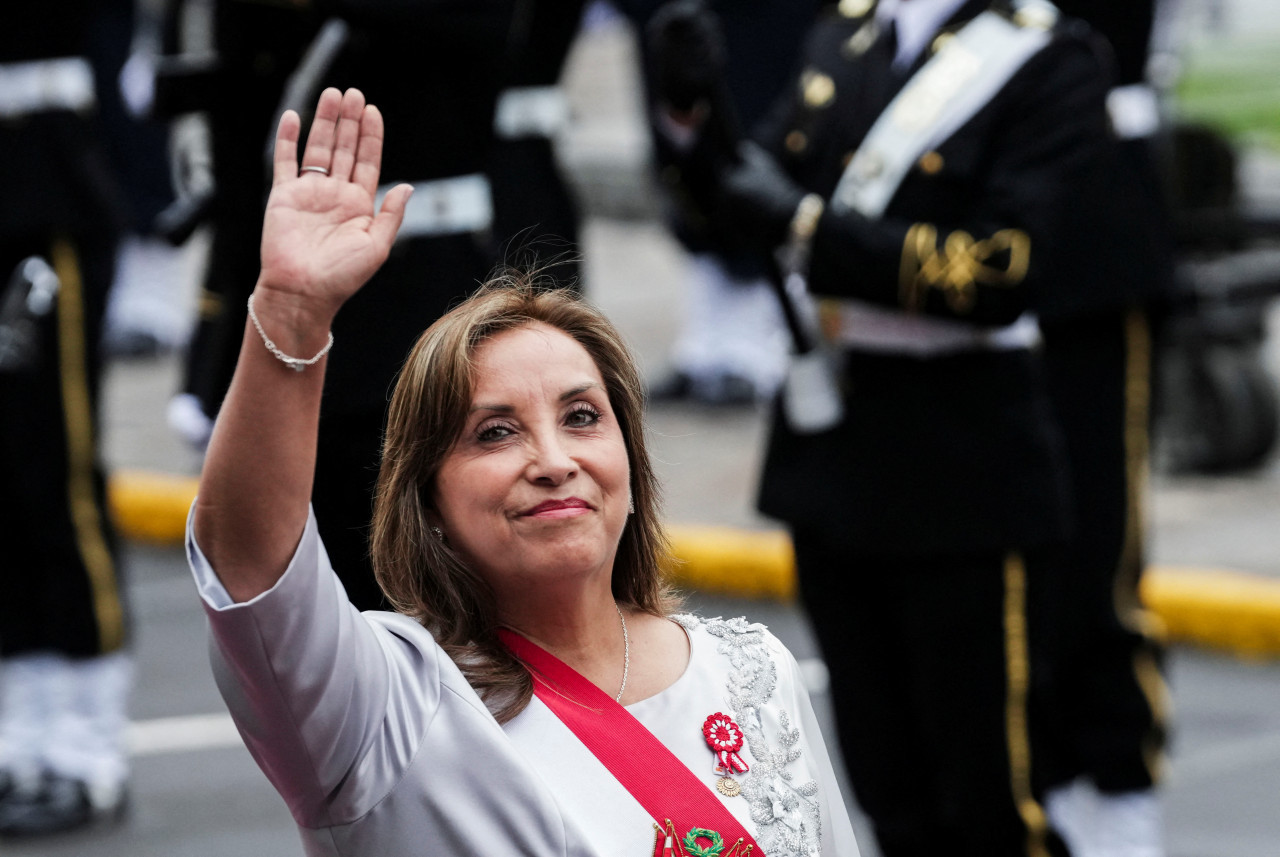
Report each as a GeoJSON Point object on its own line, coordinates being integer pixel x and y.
{"type": "Point", "coordinates": [534, 209]}
{"type": "Point", "coordinates": [731, 341]}
{"type": "Point", "coordinates": [63, 636]}
{"type": "Point", "coordinates": [431, 69]}
{"type": "Point", "coordinates": [928, 176]}
{"type": "Point", "coordinates": [226, 67]}
{"type": "Point", "coordinates": [1110, 708]}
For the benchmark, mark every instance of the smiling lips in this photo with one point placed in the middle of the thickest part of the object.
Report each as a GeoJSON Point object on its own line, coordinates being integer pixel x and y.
{"type": "Point", "coordinates": [559, 508]}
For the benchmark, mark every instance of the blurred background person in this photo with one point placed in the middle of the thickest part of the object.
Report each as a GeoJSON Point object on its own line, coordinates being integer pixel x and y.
{"type": "Point", "coordinates": [1110, 704]}
{"type": "Point", "coordinates": [731, 345]}
{"type": "Point", "coordinates": [431, 68]}
{"type": "Point", "coordinates": [220, 81]}
{"type": "Point", "coordinates": [63, 635]}
{"type": "Point", "coordinates": [149, 310]}
{"type": "Point", "coordinates": [939, 164]}
{"type": "Point", "coordinates": [535, 212]}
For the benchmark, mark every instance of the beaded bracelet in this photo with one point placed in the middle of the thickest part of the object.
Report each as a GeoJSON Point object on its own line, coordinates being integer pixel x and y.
{"type": "Point", "coordinates": [297, 364]}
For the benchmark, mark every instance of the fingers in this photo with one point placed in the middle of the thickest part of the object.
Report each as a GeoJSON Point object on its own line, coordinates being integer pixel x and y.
{"type": "Point", "coordinates": [368, 156]}
{"type": "Point", "coordinates": [347, 134]}
{"type": "Point", "coordinates": [284, 164]}
{"type": "Point", "coordinates": [387, 222]}
{"type": "Point", "coordinates": [320, 140]}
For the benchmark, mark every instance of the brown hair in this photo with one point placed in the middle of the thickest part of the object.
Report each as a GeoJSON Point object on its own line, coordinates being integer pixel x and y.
{"type": "Point", "coordinates": [419, 573]}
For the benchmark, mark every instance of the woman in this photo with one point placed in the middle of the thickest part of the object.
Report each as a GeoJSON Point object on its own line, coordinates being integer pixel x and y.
{"type": "Point", "coordinates": [516, 513]}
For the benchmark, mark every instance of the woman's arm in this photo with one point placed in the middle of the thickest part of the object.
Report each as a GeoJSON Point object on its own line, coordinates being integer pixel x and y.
{"type": "Point", "coordinates": [321, 241]}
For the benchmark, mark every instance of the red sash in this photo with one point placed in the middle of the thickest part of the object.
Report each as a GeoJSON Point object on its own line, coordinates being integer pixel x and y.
{"type": "Point", "coordinates": [659, 781]}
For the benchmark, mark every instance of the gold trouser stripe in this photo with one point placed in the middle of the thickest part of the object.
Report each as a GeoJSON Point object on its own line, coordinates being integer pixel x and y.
{"type": "Point", "coordinates": [86, 516]}
{"type": "Point", "coordinates": [1018, 677]}
{"type": "Point", "coordinates": [1128, 607]}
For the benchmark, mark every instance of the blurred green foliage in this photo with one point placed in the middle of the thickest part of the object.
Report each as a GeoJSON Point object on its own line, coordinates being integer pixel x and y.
{"type": "Point", "coordinates": [1235, 87]}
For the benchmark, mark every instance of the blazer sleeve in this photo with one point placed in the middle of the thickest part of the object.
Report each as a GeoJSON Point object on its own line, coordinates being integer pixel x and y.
{"type": "Point", "coordinates": [331, 703]}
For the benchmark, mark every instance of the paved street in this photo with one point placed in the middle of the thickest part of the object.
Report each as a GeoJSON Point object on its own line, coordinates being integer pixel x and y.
{"type": "Point", "coordinates": [196, 792]}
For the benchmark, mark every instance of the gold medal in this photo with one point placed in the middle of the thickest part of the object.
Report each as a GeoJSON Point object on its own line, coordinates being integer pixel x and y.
{"type": "Point", "coordinates": [728, 787]}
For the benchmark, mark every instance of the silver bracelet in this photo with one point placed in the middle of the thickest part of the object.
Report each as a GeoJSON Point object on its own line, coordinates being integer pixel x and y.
{"type": "Point", "coordinates": [297, 364]}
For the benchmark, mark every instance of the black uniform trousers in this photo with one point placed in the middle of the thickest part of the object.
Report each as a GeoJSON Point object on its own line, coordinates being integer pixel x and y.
{"type": "Point", "coordinates": [935, 683]}
{"type": "Point", "coordinates": [60, 587]}
{"type": "Point", "coordinates": [1108, 712]}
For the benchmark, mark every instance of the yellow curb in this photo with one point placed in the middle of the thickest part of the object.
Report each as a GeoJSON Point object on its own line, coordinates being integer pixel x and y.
{"type": "Point", "coordinates": [1217, 608]}
{"type": "Point", "coordinates": [150, 507]}
{"type": "Point", "coordinates": [748, 563]}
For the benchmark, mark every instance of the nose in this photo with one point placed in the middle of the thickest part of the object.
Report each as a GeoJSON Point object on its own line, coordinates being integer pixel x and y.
{"type": "Point", "coordinates": [551, 462]}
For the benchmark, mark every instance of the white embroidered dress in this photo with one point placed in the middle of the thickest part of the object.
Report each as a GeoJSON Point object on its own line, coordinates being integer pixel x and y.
{"type": "Point", "coordinates": [380, 747]}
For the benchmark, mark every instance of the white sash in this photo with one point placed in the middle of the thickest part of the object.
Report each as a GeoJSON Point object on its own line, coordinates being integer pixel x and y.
{"type": "Point", "coordinates": [962, 77]}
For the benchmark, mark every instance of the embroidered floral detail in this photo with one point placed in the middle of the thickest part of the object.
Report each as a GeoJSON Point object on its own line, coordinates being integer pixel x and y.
{"type": "Point", "coordinates": [787, 815]}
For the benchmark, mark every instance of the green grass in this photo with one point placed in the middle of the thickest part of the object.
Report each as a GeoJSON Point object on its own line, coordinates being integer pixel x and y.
{"type": "Point", "coordinates": [1235, 87]}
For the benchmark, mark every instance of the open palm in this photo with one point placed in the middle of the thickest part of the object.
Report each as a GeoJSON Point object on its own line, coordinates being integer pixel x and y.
{"type": "Point", "coordinates": [321, 238]}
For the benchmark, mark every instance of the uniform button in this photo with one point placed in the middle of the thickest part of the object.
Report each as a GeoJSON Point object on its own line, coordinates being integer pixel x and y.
{"type": "Point", "coordinates": [861, 41]}
{"type": "Point", "coordinates": [796, 142]}
{"type": "Point", "coordinates": [855, 8]}
{"type": "Point", "coordinates": [1036, 15]}
{"type": "Point", "coordinates": [941, 41]}
{"type": "Point", "coordinates": [819, 89]}
{"type": "Point", "coordinates": [931, 163]}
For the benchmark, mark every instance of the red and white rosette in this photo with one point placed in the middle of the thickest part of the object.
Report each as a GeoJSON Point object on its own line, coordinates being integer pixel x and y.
{"type": "Point", "coordinates": [724, 737]}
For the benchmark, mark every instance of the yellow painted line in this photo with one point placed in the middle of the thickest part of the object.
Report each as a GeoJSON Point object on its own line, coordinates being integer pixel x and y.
{"type": "Point", "coordinates": [1219, 608]}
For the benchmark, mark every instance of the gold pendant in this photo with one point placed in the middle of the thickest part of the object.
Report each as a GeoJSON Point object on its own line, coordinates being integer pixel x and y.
{"type": "Point", "coordinates": [728, 787]}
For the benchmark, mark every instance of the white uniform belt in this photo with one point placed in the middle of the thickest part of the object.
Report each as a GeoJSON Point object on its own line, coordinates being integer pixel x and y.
{"type": "Point", "coordinates": [530, 111]}
{"type": "Point", "coordinates": [446, 206]}
{"type": "Point", "coordinates": [1135, 111]}
{"type": "Point", "coordinates": [41, 86]}
{"type": "Point", "coordinates": [866, 327]}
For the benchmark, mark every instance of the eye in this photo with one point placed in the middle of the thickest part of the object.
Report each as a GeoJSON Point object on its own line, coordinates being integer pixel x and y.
{"type": "Point", "coordinates": [582, 415]}
{"type": "Point", "coordinates": [489, 432]}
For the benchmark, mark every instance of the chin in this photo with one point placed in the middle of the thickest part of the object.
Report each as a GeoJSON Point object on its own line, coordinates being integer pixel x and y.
{"type": "Point", "coordinates": [568, 556]}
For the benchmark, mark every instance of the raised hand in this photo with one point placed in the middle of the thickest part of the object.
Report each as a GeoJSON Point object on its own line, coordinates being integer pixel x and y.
{"type": "Point", "coordinates": [321, 237]}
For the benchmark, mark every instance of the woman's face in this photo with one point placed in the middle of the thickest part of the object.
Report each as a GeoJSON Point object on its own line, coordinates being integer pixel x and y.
{"type": "Point", "coordinates": [535, 489]}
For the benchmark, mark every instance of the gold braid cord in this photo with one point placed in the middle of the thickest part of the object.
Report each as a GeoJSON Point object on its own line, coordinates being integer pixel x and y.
{"type": "Point", "coordinates": [959, 265]}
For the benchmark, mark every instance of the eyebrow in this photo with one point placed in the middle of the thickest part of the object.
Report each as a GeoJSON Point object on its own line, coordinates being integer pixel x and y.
{"type": "Point", "coordinates": [564, 397]}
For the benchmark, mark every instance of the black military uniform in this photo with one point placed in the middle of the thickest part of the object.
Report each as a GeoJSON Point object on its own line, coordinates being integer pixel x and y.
{"type": "Point", "coordinates": [258, 45]}
{"type": "Point", "coordinates": [1098, 355]}
{"type": "Point", "coordinates": [730, 346]}
{"type": "Point", "coordinates": [431, 70]}
{"type": "Point", "coordinates": [924, 521]}
{"type": "Point", "coordinates": [62, 614]}
{"type": "Point", "coordinates": [535, 213]}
